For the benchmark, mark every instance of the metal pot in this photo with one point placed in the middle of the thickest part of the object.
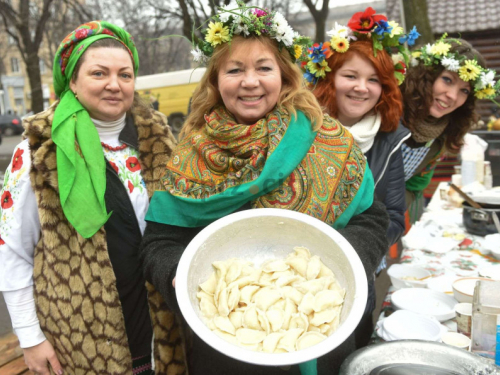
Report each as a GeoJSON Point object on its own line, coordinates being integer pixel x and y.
{"type": "Point", "coordinates": [480, 221]}
{"type": "Point", "coordinates": [414, 357]}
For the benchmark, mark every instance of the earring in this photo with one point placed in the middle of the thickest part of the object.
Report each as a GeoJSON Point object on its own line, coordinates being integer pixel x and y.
{"type": "Point", "coordinates": [76, 95]}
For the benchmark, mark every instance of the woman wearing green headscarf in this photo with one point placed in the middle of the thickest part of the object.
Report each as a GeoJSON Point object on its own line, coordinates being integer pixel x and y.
{"type": "Point", "coordinates": [73, 207]}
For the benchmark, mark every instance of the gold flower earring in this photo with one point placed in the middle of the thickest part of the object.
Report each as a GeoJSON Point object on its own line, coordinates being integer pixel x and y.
{"type": "Point", "coordinates": [76, 95]}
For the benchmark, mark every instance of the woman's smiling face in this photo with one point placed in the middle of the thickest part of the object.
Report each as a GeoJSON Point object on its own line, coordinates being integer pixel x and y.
{"type": "Point", "coordinates": [449, 92]}
{"type": "Point", "coordinates": [357, 89]}
{"type": "Point", "coordinates": [249, 81]}
{"type": "Point", "coordinates": [105, 83]}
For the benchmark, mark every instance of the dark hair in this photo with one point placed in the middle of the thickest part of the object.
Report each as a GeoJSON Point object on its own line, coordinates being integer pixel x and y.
{"type": "Point", "coordinates": [417, 91]}
{"type": "Point", "coordinates": [390, 104]}
{"type": "Point", "coordinates": [101, 43]}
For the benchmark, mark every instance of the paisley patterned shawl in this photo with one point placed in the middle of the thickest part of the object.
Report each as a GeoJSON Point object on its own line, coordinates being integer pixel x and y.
{"type": "Point", "coordinates": [277, 162]}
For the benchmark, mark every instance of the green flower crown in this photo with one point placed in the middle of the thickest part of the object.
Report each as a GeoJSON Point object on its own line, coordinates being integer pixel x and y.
{"type": "Point", "coordinates": [243, 20]}
{"type": "Point", "coordinates": [482, 80]}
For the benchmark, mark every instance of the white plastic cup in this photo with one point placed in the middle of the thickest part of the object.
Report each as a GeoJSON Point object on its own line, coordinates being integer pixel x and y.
{"type": "Point", "coordinates": [464, 318]}
{"type": "Point", "coordinates": [456, 339]}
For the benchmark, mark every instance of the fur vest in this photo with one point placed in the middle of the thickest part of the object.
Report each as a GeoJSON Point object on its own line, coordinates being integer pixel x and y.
{"type": "Point", "coordinates": [75, 287]}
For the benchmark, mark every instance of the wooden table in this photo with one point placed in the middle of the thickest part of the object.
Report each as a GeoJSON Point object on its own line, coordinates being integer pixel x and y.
{"type": "Point", "coordinates": [11, 356]}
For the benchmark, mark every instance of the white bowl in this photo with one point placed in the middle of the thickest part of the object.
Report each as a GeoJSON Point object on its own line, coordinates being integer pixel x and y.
{"type": "Point", "coordinates": [257, 235]}
{"type": "Point", "coordinates": [463, 289]}
{"type": "Point", "coordinates": [456, 339]}
{"type": "Point", "coordinates": [408, 325]}
{"type": "Point", "coordinates": [425, 301]}
{"type": "Point", "coordinates": [402, 276]}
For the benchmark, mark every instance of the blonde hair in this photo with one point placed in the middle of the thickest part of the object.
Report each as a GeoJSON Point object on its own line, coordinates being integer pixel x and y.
{"type": "Point", "coordinates": [294, 94]}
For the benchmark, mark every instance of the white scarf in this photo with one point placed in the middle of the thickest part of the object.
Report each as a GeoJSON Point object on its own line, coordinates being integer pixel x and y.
{"type": "Point", "coordinates": [365, 130]}
{"type": "Point", "coordinates": [109, 130]}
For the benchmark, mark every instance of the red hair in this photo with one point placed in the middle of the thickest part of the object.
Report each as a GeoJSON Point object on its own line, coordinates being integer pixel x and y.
{"type": "Point", "coordinates": [390, 104]}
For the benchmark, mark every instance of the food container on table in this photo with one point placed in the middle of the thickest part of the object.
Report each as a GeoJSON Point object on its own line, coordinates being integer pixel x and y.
{"type": "Point", "coordinates": [463, 289]}
{"type": "Point", "coordinates": [425, 301]}
{"type": "Point", "coordinates": [407, 325]}
{"type": "Point", "coordinates": [257, 235]}
{"type": "Point", "coordinates": [406, 276]}
{"type": "Point", "coordinates": [415, 357]}
{"type": "Point", "coordinates": [479, 221]}
{"type": "Point", "coordinates": [486, 320]}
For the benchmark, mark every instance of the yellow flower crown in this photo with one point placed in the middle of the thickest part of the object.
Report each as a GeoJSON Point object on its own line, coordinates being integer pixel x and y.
{"type": "Point", "coordinates": [245, 21]}
{"type": "Point", "coordinates": [482, 80]}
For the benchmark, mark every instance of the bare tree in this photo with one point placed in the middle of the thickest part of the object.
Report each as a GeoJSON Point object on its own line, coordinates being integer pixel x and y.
{"type": "Point", "coordinates": [416, 14]}
{"type": "Point", "coordinates": [320, 15]}
{"type": "Point", "coordinates": [25, 22]}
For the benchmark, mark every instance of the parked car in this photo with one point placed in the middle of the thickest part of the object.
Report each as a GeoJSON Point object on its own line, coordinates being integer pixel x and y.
{"type": "Point", "coordinates": [10, 125]}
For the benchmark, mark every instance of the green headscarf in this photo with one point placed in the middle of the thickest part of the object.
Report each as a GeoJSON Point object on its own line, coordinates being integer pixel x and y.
{"type": "Point", "coordinates": [81, 167]}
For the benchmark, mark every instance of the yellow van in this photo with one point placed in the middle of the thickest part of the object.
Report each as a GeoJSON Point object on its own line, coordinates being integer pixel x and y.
{"type": "Point", "coordinates": [170, 93]}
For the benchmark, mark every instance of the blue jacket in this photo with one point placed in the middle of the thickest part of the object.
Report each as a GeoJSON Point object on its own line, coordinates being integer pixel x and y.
{"type": "Point", "coordinates": [386, 162]}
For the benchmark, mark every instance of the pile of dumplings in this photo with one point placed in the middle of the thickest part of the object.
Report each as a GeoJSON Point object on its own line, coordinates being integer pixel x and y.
{"type": "Point", "coordinates": [285, 305]}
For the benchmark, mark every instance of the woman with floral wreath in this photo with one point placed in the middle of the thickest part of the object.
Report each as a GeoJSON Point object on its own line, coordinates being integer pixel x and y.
{"type": "Point", "coordinates": [73, 207]}
{"type": "Point", "coordinates": [256, 137]}
{"type": "Point", "coordinates": [439, 95]}
{"type": "Point", "coordinates": [358, 85]}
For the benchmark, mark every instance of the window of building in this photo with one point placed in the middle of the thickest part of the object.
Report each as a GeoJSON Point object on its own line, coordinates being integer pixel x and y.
{"type": "Point", "coordinates": [14, 65]}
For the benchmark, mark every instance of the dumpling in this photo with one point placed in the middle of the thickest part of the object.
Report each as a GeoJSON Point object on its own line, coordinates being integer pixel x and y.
{"type": "Point", "coordinates": [274, 265]}
{"type": "Point", "coordinates": [236, 318]}
{"type": "Point", "coordinates": [288, 279]}
{"type": "Point", "coordinates": [276, 318]}
{"type": "Point", "coordinates": [233, 298]}
{"type": "Point", "coordinates": [307, 304]}
{"type": "Point", "coordinates": [299, 320]}
{"type": "Point", "coordinates": [250, 336]}
{"type": "Point", "coordinates": [226, 336]}
{"type": "Point", "coordinates": [264, 322]}
{"type": "Point", "coordinates": [299, 264]}
{"type": "Point", "coordinates": [290, 309]}
{"type": "Point", "coordinates": [266, 297]}
{"type": "Point", "coordinates": [325, 299]}
{"type": "Point", "coordinates": [247, 293]}
{"type": "Point", "coordinates": [224, 324]}
{"type": "Point", "coordinates": [223, 306]}
{"type": "Point", "coordinates": [309, 339]}
{"type": "Point", "coordinates": [233, 271]}
{"type": "Point", "coordinates": [302, 252]}
{"type": "Point", "coordinates": [312, 286]}
{"type": "Point", "coordinates": [207, 308]}
{"type": "Point", "coordinates": [313, 268]}
{"type": "Point", "coordinates": [292, 293]}
{"type": "Point", "coordinates": [209, 285]}
{"type": "Point", "coordinates": [271, 341]}
{"type": "Point", "coordinates": [325, 316]}
{"type": "Point", "coordinates": [251, 319]}
{"type": "Point", "coordinates": [288, 340]}
{"type": "Point", "coordinates": [325, 271]}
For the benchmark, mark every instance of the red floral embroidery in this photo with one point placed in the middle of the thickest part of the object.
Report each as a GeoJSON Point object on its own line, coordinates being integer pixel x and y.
{"type": "Point", "coordinates": [130, 186]}
{"type": "Point", "coordinates": [81, 33]}
{"type": "Point", "coordinates": [108, 32]}
{"type": "Point", "coordinates": [17, 160]}
{"type": "Point", "coordinates": [133, 164]}
{"type": "Point", "coordinates": [2, 242]}
{"type": "Point", "coordinates": [7, 201]}
{"type": "Point", "coordinates": [363, 22]}
{"type": "Point", "coordinates": [115, 167]}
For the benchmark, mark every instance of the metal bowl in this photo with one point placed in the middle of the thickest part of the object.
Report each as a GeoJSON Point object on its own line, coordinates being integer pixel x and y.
{"type": "Point", "coordinates": [257, 235]}
{"type": "Point", "coordinates": [415, 357]}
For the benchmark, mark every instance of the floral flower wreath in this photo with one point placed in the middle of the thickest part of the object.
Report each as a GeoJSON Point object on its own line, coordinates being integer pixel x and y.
{"type": "Point", "coordinates": [363, 26]}
{"type": "Point", "coordinates": [243, 20]}
{"type": "Point", "coordinates": [482, 80]}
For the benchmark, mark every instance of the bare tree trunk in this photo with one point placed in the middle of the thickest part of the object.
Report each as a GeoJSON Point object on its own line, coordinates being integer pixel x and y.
{"type": "Point", "coordinates": [416, 14]}
{"type": "Point", "coordinates": [33, 69]}
{"type": "Point", "coordinates": [29, 24]}
{"type": "Point", "coordinates": [320, 16]}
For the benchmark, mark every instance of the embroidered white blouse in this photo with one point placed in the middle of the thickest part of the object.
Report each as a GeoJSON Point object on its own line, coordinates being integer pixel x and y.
{"type": "Point", "coordinates": [20, 225]}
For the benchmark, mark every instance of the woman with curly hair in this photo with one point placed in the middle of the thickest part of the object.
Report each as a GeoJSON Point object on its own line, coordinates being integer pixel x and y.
{"type": "Point", "coordinates": [361, 91]}
{"type": "Point", "coordinates": [439, 96]}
